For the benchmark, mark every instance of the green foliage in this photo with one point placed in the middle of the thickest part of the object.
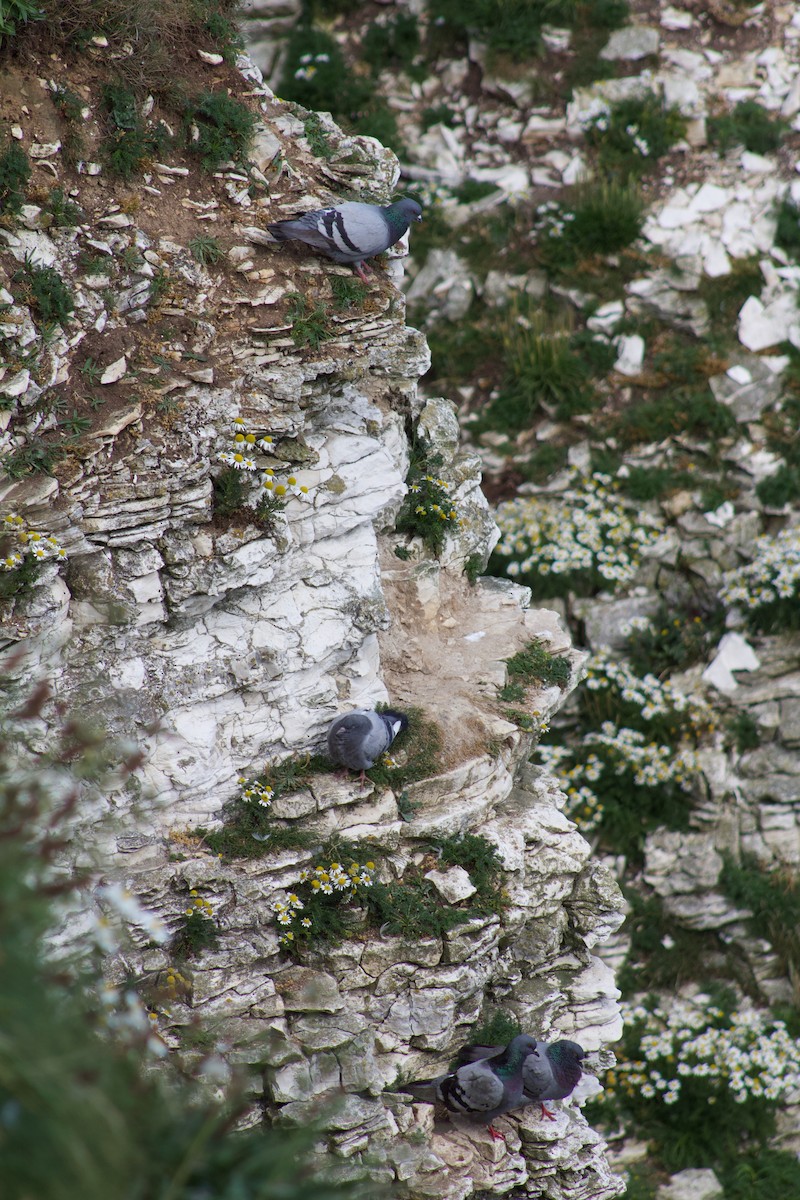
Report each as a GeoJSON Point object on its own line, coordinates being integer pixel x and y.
{"type": "Point", "coordinates": [224, 129]}
{"type": "Point", "coordinates": [682, 412]}
{"type": "Point", "coordinates": [68, 103]}
{"type": "Point", "coordinates": [35, 456]}
{"type": "Point", "coordinates": [62, 209]}
{"type": "Point", "coordinates": [742, 732]}
{"type": "Point", "coordinates": [496, 1029]}
{"type": "Point", "coordinates": [348, 293]}
{"type": "Point", "coordinates": [773, 898]}
{"type": "Point", "coordinates": [413, 908]}
{"type": "Point", "coordinates": [544, 461]}
{"type": "Point", "coordinates": [654, 483]}
{"type": "Point", "coordinates": [267, 509]}
{"type": "Point", "coordinates": [543, 372]}
{"type": "Point", "coordinates": [310, 326]}
{"type": "Point", "coordinates": [197, 933]}
{"type": "Point", "coordinates": [440, 114]}
{"type": "Point", "coordinates": [14, 13]}
{"type": "Point", "coordinates": [514, 27]}
{"type": "Point", "coordinates": [674, 640]}
{"type": "Point", "coordinates": [780, 489]}
{"type": "Point", "coordinates": [230, 491]}
{"type": "Point", "coordinates": [761, 1176]}
{"type": "Point", "coordinates": [725, 295]}
{"type": "Point", "coordinates": [317, 136]}
{"type": "Point", "coordinates": [535, 664]}
{"type": "Point", "coordinates": [42, 289]}
{"type": "Point", "coordinates": [206, 249]}
{"type": "Point", "coordinates": [392, 44]}
{"type": "Point", "coordinates": [600, 219]}
{"type": "Point", "coordinates": [481, 861]}
{"type": "Point", "coordinates": [130, 143]}
{"type": "Point", "coordinates": [473, 189]}
{"type": "Point", "coordinates": [18, 583]}
{"type": "Point", "coordinates": [160, 285]}
{"type": "Point", "coordinates": [15, 171]}
{"type": "Point", "coordinates": [749, 125]}
{"type": "Point", "coordinates": [787, 233]}
{"type": "Point", "coordinates": [666, 955]}
{"type": "Point", "coordinates": [473, 568]}
{"type": "Point", "coordinates": [634, 134]}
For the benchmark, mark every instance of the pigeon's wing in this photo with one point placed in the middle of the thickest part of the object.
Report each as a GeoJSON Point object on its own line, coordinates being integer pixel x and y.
{"type": "Point", "coordinates": [349, 233]}
{"type": "Point", "coordinates": [356, 739]}
{"type": "Point", "coordinates": [473, 1088]}
{"type": "Point", "coordinates": [537, 1075]}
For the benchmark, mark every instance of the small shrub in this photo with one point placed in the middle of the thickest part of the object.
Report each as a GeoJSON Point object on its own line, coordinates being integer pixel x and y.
{"type": "Point", "coordinates": [160, 285]}
{"type": "Point", "coordinates": [37, 455]}
{"type": "Point", "coordinates": [310, 325]}
{"type": "Point", "coordinates": [441, 114]}
{"type": "Point", "coordinates": [230, 492]}
{"type": "Point", "coordinates": [14, 13]}
{"type": "Point", "coordinates": [415, 754]}
{"type": "Point", "coordinates": [749, 125]}
{"type": "Point", "coordinates": [682, 412]}
{"type": "Point", "coordinates": [742, 733]}
{"type": "Point", "coordinates": [654, 483]}
{"type": "Point", "coordinates": [206, 249]}
{"type": "Point", "coordinates": [317, 136]}
{"type": "Point", "coordinates": [600, 219]}
{"type": "Point", "coordinates": [631, 135]}
{"type": "Point", "coordinates": [773, 898]}
{"type": "Point", "coordinates": [42, 289]}
{"type": "Point", "coordinates": [15, 171]}
{"type": "Point", "coordinates": [497, 1029]}
{"type": "Point", "coordinates": [780, 489]}
{"type": "Point", "coordinates": [224, 129]}
{"type": "Point", "coordinates": [480, 859]}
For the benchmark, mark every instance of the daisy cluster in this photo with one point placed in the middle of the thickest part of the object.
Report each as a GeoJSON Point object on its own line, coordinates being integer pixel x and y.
{"type": "Point", "coordinates": [432, 499]}
{"type": "Point", "coordinates": [427, 511]}
{"type": "Point", "coordinates": [198, 906]}
{"type": "Point", "coordinates": [20, 542]}
{"type": "Point", "coordinates": [585, 531]}
{"type": "Point", "coordinates": [746, 1052]}
{"type": "Point", "coordinates": [551, 219]}
{"type": "Point", "coordinates": [322, 881]}
{"type": "Point", "coordinates": [127, 906]}
{"type": "Point", "coordinates": [653, 698]}
{"type": "Point", "coordinates": [772, 576]}
{"type": "Point", "coordinates": [124, 1015]}
{"type": "Point", "coordinates": [309, 65]}
{"type": "Point", "coordinates": [255, 793]}
{"type": "Point", "coordinates": [240, 457]}
{"type": "Point", "coordinates": [614, 751]}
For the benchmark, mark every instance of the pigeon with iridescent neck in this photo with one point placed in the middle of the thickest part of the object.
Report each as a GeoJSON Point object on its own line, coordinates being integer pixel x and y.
{"type": "Point", "coordinates": [352, 231]}
{"type": "Point", "coordinates": [551, 1071]}
{"type": "Point", "coordinates": [488, 1087]}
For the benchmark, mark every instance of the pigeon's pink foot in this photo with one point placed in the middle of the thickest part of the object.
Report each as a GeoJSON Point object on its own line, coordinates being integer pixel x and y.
{"type": "Point", "coordinates": [361, 271]}
{"type": "Point", "coordinates": [546, 1112]}
{"type": "Point", "coordinates": [496, 1134]}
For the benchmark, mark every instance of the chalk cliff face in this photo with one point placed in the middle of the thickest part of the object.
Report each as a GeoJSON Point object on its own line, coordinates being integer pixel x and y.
{"type": "Point", "coordinates": [220, 645]}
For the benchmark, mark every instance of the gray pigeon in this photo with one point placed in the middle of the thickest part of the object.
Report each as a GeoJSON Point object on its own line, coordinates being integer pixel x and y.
{"type": "Point", "coordinates": [356, 739]}
{"type": "Point", "coordinates": [351, 232]}
{"type": "Point", "coordinates": [550, 1072]}
{"type": "Point", "coordinates": [486, 1087]}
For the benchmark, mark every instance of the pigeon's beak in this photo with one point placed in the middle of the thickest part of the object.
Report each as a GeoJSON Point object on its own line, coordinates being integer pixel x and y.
{"type": "Point", "coordinates": [418, 218]}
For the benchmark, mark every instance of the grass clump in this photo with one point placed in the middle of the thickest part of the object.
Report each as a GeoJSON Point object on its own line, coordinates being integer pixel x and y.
{"type": "Point", "coordinates": [206, 249]}
{"type": "Point", "coordinates": [749, 125]}
{"type": "Point", "coordinates": [631, 135]}
{"type": "Point", "coordinates": [480, 859]}
{"type": "Point", "coordinates": [42, 289]}
{"type": "Point", "coordinates": [773, 898]}
{"type": "Point", "coordinates": [35, 456]}
{"type": "Point", "coordinates": [543, 372]}
{"type": "Point", "coordinates": [742, 733]}
{"type": "Point", "coordinates": [392, 44]}
{"type": "Point", "coordinates": [599, 219]}
{"type": "Point", "coordinates": [671, 641]}
{"type": "Point", "coordinates": [787, 233]}
{"type": "Point", "coordinates": [535, 664]}
{"type": "Point", "coordinates": [348, 293]}
{"type": "Point", "coordinates": [310, 325]}
{"type": "Point", "coordinates": [415, 754]}
{"type": "Point", "coordinates": [14, 13]}
{"type": "Point", "coordinates": [65, 214]}
{"type": "Point", "coordinates": [317, 137]}
{"type": "Point", "coordinates": [15, 171]}
{"type": "Point", "coordinates": [224, 129]}
{"type": "Point", "coordinates": [497, 1029]}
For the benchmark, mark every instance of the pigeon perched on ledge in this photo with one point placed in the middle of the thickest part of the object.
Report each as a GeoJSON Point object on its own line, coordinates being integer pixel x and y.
{"type": "Point", "coordinates": [351, 232]}
{"type": "Point", "coordinates": [358, 738]}
{"type": "Point", "coordinates": [550, 1072]}
{"type": "Point", "coordinates": [483, 1089]}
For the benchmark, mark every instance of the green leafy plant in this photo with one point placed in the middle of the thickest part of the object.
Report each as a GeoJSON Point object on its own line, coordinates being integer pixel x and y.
{"type": "Point", "coordinates": [206, 249]}
{"type": "Point", "coordinates": [197, 932]}
{"type": "Point", "coordinates": [348, 293]}
{"type": "Point", "coordinates": [392, 44]}
{"type": "Point", "coordinates": [773, 898]}
{"type": "Point", "coordinates": [535, 664]}
{"type": "Point", "coordinates": [14, 13]}
{"type": "Point", "coordinates": [767, 588]}
{"type": "Point", "coordinates": [600, 219]}
{"type": "Point", "coordinates": [749, 125]}
{"type": "Point", "coordinates": [310, 325]}
{"type": "Point", "coordinates": [787, 233]}
{"type": "Point", "coordinates": [673, 640]}
{"type": "Point", "coordinates": [224, 129]}
{"type": "Point", "coordinates": [15, 171]}
{"type": "Point", "coordinates": [427, 511]}
{"type": "Point", "coordinates": [62, 209]}
{"type": "Point", "coordinates": [631, 135]}
{"type": "Point", "coordinates": [317, 136]}
{"type": "Point", "coordinates": [36, 455]}
{"type": "Point", "coordinates": [480, 859]}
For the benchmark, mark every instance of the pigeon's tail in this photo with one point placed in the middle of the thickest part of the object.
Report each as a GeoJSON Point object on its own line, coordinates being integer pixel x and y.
{"type": "Point", "coordinates": [424, 1089]}
{"type": "Point", "coordinates": [473, 1053]}
{"type": "Point", "coordinates": [280, 232]}
{"type": "Point", "coordinates": [397, 722]}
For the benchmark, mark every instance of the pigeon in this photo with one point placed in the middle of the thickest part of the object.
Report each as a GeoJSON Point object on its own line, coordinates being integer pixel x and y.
{"type": "Point", "coordinates": [486, 1087]}
{"type": "Point", "coordinates": [356, 739]}
{"type": "Point", "coordinates": [551, 1071]}
{"type": "Point", "coordinates": [351, 232]}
